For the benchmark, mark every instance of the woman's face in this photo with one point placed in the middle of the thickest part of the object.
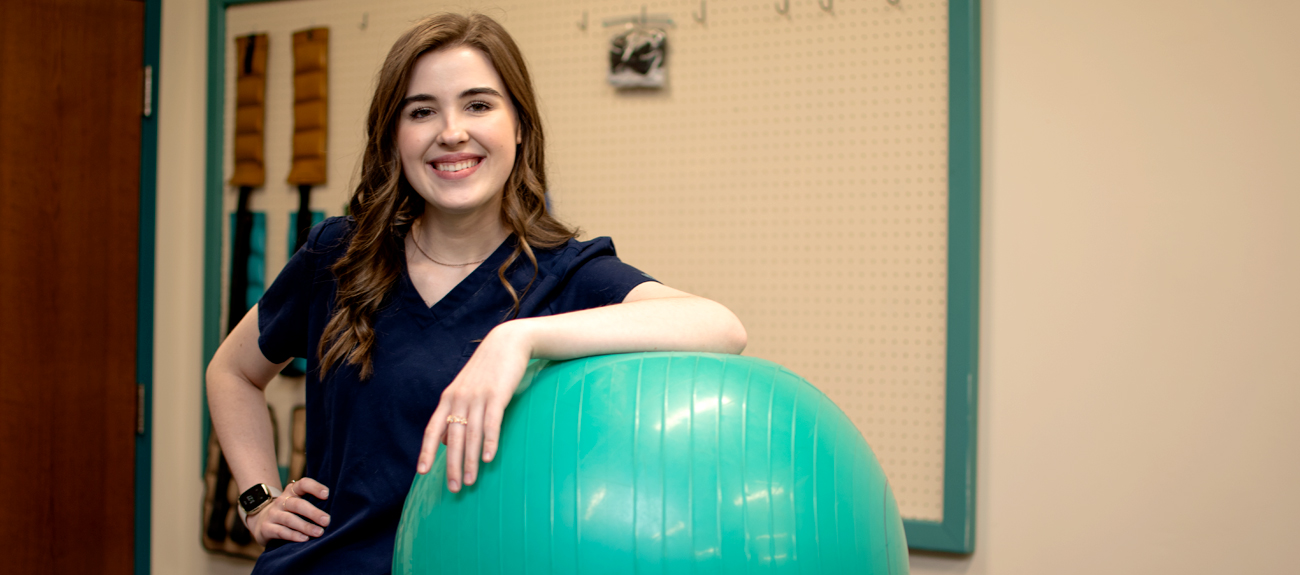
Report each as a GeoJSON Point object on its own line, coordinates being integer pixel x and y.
{"type": "Point", "coordinates": [458, 132]}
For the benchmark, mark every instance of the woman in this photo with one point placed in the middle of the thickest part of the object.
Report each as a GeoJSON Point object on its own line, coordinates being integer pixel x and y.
{"type": "Point", "coordinates": [431, 298]}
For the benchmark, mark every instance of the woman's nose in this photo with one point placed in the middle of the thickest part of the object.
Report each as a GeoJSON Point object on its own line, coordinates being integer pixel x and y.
{"type": "Point", "coordinates": [452, 133]}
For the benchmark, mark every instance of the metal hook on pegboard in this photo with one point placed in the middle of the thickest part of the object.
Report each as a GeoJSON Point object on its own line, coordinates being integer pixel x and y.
{"type": "Point", "coordinates": [582, 25]}
{"type": "Point", "coordinates": [703, 15]}
{"type": "Point", "coordinates": [828, 5]}
{"type": "Point", "coordinates": [784, 8]}
{"type": "Point", "coordinates": [642, 20]}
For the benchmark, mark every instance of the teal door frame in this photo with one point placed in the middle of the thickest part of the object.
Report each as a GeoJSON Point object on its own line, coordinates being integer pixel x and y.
{"type": "Point", "coordinates": [144, 335]}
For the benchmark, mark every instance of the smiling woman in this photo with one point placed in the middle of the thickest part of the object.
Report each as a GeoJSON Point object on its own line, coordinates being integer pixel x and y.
{"type": "Point", "coordinates": [456, 137]}
{"type": "Point", "coordinates": [419, 313]}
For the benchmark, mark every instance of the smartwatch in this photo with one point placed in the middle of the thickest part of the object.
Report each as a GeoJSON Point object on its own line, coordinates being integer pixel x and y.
{"type": "Point", "coordinates": [256, 498]}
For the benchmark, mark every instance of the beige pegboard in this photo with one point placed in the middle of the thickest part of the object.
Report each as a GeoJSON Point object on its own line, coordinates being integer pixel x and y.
{"type": "Point", "coordinates": [794, 169]}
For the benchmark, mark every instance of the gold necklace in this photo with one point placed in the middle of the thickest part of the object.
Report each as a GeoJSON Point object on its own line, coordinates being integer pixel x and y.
{"type": "Point", "coordinates": [414, 240]}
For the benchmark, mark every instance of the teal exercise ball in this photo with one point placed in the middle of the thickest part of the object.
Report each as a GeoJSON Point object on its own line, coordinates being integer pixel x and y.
{"type": "Point", "coordinates": [661, 463]}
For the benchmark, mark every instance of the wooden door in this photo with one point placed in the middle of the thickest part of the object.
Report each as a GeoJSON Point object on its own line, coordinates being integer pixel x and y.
{"type": "Point", "coordinates": [70, 104]}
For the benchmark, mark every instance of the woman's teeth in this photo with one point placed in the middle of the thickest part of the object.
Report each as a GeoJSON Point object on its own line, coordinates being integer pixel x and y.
{"type": "Point", "coordinates": [457, 166]}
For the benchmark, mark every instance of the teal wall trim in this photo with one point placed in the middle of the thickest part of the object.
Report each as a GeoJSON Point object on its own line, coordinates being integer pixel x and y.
{"type": "Point", "coordinates": [956, 533]}
{"type": "Point", "coordinates": [144, 333]}
{"type": "Point", "coordinates": [212, 208]}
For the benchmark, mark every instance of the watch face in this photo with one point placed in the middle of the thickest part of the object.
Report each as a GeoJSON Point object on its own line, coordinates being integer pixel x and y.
{"type": "Point", "coordinates": [255, 495]}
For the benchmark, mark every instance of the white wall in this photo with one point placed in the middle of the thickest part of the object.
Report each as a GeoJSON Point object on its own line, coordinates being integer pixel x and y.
{"type": "Point", "coordinates": [1140, 407]}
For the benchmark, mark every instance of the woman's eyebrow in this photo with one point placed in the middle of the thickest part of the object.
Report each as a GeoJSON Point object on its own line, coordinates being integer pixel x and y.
{"type": "Point", "coordinates": [467, 93]}
{"type": "Point", "coordinates": [480, 91]}
{"type": "Point", "coordinates": [417, 98]}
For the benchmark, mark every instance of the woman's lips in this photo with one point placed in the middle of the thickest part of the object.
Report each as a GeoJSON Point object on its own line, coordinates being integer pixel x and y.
{"type": "Point", "coordinates": [455, 168]}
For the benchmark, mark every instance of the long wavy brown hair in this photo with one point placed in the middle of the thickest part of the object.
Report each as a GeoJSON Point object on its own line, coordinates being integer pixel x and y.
{"type": "Point", "coordinates": [384, 205]}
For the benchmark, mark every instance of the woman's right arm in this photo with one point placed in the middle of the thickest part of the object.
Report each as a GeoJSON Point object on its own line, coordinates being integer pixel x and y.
{"type": "Point", "coordinates": [237, 379]}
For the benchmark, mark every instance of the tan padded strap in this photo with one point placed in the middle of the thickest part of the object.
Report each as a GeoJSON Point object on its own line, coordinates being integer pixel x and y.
{"type": "Point", "coordinates": [310, 105]}
{"type": "Point", "coordinates": [250, 110]}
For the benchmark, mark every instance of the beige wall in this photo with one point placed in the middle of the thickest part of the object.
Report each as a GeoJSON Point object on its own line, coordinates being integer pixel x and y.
{"type": "Point", "coordinates": [178, 347]}
{"type": "Point", "coordinates": [1140, 401]}
{"type": "Point", "coordinates": [1140, 397]}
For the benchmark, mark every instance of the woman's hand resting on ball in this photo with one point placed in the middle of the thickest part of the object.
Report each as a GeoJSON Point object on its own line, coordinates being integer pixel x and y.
{"type": "Point", "coordinates": [289, 516]}
{"type": "Point", "coordinates": [469, 414]}
{"type": "Point", "coordinates": [652, 317]}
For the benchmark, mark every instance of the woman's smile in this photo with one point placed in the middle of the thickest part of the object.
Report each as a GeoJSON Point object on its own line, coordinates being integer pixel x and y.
{"type": "Point", "coordinates": [456, 166]}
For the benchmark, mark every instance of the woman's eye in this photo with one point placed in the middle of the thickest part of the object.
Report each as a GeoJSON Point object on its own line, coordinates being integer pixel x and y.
{"type": "Point", "coordinates": [478, 107]}
{"type": "Point", "coordinates": [420, 113]}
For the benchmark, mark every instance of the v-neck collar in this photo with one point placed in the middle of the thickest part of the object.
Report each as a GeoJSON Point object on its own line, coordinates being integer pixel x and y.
{"type": "Point", "coordinates": [453, 305]}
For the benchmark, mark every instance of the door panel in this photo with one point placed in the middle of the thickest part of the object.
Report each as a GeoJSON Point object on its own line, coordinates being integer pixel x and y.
{"type": "Point", "coordinates": [70, 101]}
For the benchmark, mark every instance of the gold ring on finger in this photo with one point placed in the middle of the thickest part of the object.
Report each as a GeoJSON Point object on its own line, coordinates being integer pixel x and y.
{"type": "Point", "coordinates": [457, 419]}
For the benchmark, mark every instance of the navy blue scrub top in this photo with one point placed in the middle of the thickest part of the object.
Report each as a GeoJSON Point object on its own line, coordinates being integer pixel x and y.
{"type": "Point", "coordinates": [363, 437]}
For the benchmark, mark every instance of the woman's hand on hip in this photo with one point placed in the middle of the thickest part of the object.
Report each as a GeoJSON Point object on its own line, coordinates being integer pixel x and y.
{"type": "Point", "coordinates": [469, 414]}
{"type": "Point", "coordinates": [289, 516]}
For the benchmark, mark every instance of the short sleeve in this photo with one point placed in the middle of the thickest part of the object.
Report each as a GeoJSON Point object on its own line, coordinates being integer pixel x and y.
{"type": "Point", "coordinates": [283, 312]}
{"type": "Point", "coordinates": [597, 277]}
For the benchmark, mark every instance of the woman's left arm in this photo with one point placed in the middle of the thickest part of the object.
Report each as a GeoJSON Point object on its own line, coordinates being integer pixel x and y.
{"type": "Point", "coordinates": [653, 317]}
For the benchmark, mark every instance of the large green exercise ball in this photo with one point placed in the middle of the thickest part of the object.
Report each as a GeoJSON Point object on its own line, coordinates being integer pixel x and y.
{"type": "Point", "coordinates": [662, 463]}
